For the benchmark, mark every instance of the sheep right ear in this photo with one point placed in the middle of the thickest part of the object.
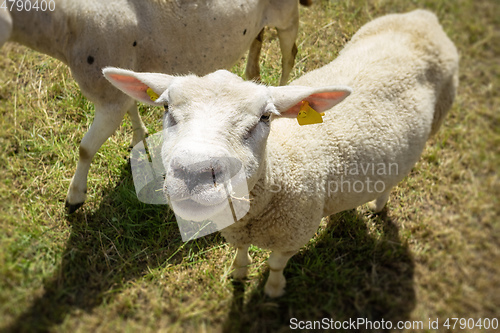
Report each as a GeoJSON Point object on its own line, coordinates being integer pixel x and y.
{"type": "Point", "coordinates": [144, 87]}
{"type": "Point", "coordinates": [288, 99]}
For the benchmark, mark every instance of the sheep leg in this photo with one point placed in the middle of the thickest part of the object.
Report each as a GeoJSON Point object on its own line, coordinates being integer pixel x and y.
{"type": "Point", "coordinates": [106, 121]}
{"type": "Point", "coordinates": [241, 262]}
{"type": "Point", "coordinates": [139, 130]}
{"type": "Point", "coordinates": [378, 204]}
{"type": "Point", "coordinates": [276, 282]}
{"type": "Point", "coordinates": [288, 47]}
{"type": "Point", "coordinates": [252, 71]}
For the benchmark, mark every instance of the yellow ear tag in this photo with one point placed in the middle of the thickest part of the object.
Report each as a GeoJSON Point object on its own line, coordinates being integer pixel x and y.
{"type": "Point", "coordinates": [154, 96]}
{"type": "Point", "coordinates": [307, 115]}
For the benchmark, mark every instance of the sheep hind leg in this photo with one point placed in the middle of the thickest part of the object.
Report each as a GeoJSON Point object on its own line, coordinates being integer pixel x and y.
{"type": "Point", "coordinates": [378, 204]}
{"type": "Point", "coordinates": [288, 48]}
{"type": "Point", "coordinates": [241, 262]}
{"type": "Point", "coordinates": [106, 121]}
{"type": "Point", "coordinates": [252, 71]}
{"type": "Point", "coordinates": [276, 282]}
{"type": "Point", "coordinates": [139, 129]}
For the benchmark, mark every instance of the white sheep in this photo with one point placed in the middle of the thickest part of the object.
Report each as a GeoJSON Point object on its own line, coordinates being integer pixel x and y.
{"type": "Point", "coordinates": [402, 71]}
{"type": "Point", "coordinates": [176, 37]}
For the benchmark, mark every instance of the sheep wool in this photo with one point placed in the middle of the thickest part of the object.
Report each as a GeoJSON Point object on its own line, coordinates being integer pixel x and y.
{"type": "Point", "coordinates": [383, 97]}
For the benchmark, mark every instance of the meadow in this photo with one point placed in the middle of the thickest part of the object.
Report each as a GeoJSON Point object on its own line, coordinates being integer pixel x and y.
{"type": "Point", "coordinates": [119, 265]}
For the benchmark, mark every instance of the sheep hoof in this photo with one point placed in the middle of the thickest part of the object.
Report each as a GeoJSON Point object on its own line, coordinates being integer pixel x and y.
{"type": "Point", "coordinates": [274, 290]}
{"type": "Point", "coordinates": [71, 208]}
{"type": "Point", "coordinates": [372, 205]}
{"type": "Point", "coordinates": [378, 204]}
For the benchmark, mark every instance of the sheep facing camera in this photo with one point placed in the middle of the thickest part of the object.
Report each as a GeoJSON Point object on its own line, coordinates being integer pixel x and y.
{"type": "Point", "coordinates": [205, 196]}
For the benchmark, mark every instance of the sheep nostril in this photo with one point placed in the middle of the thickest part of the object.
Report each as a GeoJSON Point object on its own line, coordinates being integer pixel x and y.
{"type": "Point", "coordinates": [213, 178]}
{"type": "Point", "coordinates": [211, 172]}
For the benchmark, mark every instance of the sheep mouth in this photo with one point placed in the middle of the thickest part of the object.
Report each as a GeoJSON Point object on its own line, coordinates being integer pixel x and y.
{"type": "Point", "coordinates": [192, 210]}
{"type": "Point", "coordinates": [203, 194]}
{"type": "Point", "coordinates": [203, 202]}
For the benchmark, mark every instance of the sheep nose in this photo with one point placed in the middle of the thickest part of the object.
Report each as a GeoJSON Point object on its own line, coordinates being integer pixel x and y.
{"type": "Point", "coordinates": [210, 171]}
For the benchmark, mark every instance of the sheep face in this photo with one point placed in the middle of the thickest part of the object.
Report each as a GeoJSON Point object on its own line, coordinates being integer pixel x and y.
{"type": "Point", "coordinates": [214, 138]}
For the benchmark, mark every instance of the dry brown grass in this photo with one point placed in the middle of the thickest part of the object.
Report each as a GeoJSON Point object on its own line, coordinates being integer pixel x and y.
{"type": "Point", "coordinates": [119, 265]}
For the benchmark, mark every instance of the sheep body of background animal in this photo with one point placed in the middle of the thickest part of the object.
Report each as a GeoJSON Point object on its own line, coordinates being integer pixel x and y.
{"type": "Point", "coordinates": [5, 25]}
{"type": "Point", "coordinates": [403, 72]}
{"type": "Point", "coordinates": [176, 37]}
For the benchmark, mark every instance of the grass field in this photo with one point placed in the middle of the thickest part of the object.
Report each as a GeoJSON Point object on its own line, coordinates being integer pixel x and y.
{"type": "Point", "coordinates": [118, 265]}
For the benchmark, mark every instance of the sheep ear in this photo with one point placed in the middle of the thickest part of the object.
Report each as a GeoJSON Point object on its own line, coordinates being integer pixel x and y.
{"type": "Point", "coordinates": [144, 87]}
{"type": "Point", "coordinates": [288, 99]}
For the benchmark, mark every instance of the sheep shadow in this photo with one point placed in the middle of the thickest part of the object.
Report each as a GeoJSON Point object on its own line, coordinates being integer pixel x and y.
{"type": "Point", "coordinates": [108, 247]}
{"type": "Point", "coordinates": [361, 275]}
{"type": "Point", "coordinates": [348, 273]}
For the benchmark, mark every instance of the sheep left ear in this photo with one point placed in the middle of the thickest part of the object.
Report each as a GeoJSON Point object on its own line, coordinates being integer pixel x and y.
{"type": "Point", "coordinates": [287, 99]}
{"type": "Point", "coordinates": [144, 87]}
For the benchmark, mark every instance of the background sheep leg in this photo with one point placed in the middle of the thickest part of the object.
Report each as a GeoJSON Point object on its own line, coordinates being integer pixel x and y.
{"type": "Point", "coordinates": [106, 121]}
{"type": "Point", "coordinates": [241, 262]}
{"type": "Point", "coordinates": [276, 282]}
{"type": "Point", "coordinates": [252, 71]}
{"type": "Point", "coordinates": [288, 48]}
{"type": "Point", "coordinates": [139, 130]}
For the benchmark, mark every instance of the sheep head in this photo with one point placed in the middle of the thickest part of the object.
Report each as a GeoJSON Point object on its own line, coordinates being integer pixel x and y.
{"type": "Point", "coordinates": [215, 132]}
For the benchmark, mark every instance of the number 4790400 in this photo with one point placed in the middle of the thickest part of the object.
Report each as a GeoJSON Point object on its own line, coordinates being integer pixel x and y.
{"type": "Point", "coordinates": [28, 5]}
{"type": "Point", "coordinates": [471, 323]}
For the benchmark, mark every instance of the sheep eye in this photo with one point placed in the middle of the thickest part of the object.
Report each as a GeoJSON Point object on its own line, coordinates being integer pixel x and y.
{"type": "Point", "coordinates": [166, 108]}
{"type": "Point", "coordinates": [265, 117]}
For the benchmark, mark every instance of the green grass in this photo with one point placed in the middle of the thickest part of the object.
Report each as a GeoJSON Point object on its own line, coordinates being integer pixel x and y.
{"type": "Point", "coordinates": [118, 265]}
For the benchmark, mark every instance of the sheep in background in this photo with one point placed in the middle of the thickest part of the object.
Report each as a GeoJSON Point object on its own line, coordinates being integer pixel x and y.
{"type": "Point", "coordinates": [176, 37]}
{"type": "Point", "coordinates": [403, 72]}
{"type": "Point", "coordinates": [5, 25]}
